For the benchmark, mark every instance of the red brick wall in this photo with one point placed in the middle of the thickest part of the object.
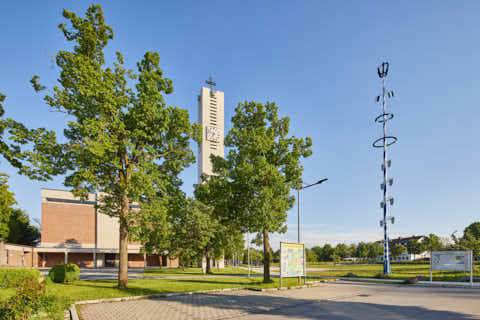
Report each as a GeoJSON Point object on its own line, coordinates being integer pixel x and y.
{"type": "Point", "coordinates": [28, 259]}
{"type": "Point", "coordinates": [81, 259]}
{"type": "Point", "coordinates": [62, 222]}
{"type": "Point", "coordinates": [172, 262]}
{"type": "Point", "coordinates": [52, 258]}
{"type": "Point", "coordinates": [153, 261]}
{"type": "Point", "coordinates": [135, 260]}
{"type": "Point", "coordinates": [14, 258]}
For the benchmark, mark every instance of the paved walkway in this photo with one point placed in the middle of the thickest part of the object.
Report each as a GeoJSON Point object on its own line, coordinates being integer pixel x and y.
{"type": "Point", "coordinates": [339, 300]}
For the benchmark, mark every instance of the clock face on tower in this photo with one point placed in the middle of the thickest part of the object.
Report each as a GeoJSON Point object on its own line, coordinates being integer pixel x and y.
{"type": "Point", "coordinates": [213, 134]}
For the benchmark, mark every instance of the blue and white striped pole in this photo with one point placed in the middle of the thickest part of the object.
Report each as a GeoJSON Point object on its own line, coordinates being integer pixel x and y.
{"type": "Point", "coordinates": [386, 256]}
{"type": "Point", "coordinates": [384, 142]}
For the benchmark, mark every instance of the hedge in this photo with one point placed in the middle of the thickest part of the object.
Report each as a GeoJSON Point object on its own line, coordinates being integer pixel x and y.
{"type": "Point", "coordinates": [12, 277]}
{"type": "Point", "coordinates": [64, 273]}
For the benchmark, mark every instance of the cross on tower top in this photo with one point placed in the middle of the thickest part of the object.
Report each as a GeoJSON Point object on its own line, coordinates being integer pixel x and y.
{"type": "Point", "coordinates": [211, 84]}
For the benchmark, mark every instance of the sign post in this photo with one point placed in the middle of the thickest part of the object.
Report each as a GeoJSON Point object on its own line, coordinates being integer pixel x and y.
{"type": "Point", "coordinates": [452, 261]}
{"type": "Point", "coordinates": [292, 261]}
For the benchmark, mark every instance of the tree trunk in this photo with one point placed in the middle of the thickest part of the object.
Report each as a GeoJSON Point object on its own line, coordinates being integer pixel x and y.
{"type": "Point", "coordinates": [208, 267]}
{"type": "Point", "coordinates": [266, 257]}
{"type": "Point", "coordinates": [123, 268]}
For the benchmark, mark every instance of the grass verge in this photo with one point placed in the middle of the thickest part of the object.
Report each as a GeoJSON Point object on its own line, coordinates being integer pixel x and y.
{"type": "Point", "coordinates": [399, 271]}
{"type": "Point", "coordinates": [66, 294]}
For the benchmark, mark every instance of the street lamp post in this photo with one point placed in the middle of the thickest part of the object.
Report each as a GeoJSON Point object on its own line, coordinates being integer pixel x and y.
{"type": "Point", "coordinates": [298, 202]}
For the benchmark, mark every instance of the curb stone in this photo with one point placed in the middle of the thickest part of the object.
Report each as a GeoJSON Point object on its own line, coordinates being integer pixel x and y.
{"type": "Point", "coordinates": [72, 314]}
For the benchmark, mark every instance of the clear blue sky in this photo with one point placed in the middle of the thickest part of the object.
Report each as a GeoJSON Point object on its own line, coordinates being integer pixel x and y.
{"type": "Point", "coordinates": [317, 60]}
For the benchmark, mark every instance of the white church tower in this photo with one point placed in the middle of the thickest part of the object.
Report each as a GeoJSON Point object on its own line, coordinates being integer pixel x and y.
{"type": "Point", "coordinates": [211, 118]}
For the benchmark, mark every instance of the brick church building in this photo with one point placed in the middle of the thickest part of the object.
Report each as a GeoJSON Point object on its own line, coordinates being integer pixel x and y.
{"type": "Point", "coordinates": [74, 231]}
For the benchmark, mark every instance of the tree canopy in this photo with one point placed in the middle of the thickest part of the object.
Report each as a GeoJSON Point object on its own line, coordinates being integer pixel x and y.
{"type": "Point", "coordinates": [432, 242]}
{"type": "Point", "coordinates": [398, 250]}
{"type": "Point", "coordinates": [123, 141]}
{"type": "Point", "coordinates": [20, 230]}
{"type": "Point", "coordinates": [473, 229]}
{"type": "Point", "coordinates": [7, 200]}
{"type": "Point", "coordinates": [259, 171]}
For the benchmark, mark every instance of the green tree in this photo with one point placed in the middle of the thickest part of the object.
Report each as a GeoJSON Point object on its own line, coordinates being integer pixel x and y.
{"type": "Point", "coordinates": [234, 245]}
{"type": "Point", "coordinates": [362, 250]}
{"type": "Point", "coordinates": [327, 252]}
{"type": "Point", "coordinates": [14, 139]}
{"type": "Point", "coordinates": [20, 229]}
{"type": "Point", "coordinates": [7, 200]}
{"type": "Point", "coordinates": [261, 168]}
{"type": "Point", "coordinates": [192, 230]}
{"type": "Point", "coordinates": [432, 243]}
{"type": "Point", "coordinates": [310, 255]}
{"type": "Point", "coordinates": [467, 242]}
{"type": "Point", "coordinates": [352, 250]}
{"type": "Point", "coordinates": [317, 250]}
{"type": "Point", "coordinates": [375, 249]}
{"type": "Point", "coordinates": [398, 250]}
{"type": "Point", "coordinates": [123, 141]}
{"type": "Point", "coordinates": [227, 236]}
{"type": "Point", "coordinates": [342, 250]}
{"type": "Point", "coordinates": [276, 255]}
{"type": "Point", "coordinates": [473, 229]}
{"type": "Point", "coordinates": [25, 148]}
{"type": "Point", "coordinates": [415, 247]}
{"type": "Point", "coordinates": [335, 258]}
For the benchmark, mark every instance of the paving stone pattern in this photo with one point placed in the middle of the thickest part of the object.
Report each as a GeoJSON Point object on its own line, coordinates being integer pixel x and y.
{"type": "Point", "coordinates": [328, 301]}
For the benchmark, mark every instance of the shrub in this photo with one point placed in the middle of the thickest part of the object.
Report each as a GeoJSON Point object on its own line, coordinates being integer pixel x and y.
{"type": "Point", "coordinates": [26, 301]}
{"type": "Point", "coordinates": [62, 273]}
{"type": "Point", "coordinates": [382, 276]}
{"type": "Point", "coordinates": [12, 277]}
{"type": "Point", "coordinates": [31, 302]}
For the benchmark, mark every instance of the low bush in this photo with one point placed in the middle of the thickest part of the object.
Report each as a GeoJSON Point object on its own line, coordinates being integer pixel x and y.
{"type": "Point", "coordinates": [25, 303]}
{"type": "Point", "coordinates": [31, 302]}
{"type": "Point", "coordinates": [12, 277]}
{"type": "Point", "coordinates": [62, 273]}
{"type": "Point", "coordinates": [351, 275]}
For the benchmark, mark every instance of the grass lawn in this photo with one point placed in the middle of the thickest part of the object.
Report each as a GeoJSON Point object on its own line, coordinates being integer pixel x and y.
{"type": "Point", "coordinates": [100, 289]}
{"type": "Point", "coordinates": [399, 271]}
{"type": "Point", "coordinates": [227, 271]}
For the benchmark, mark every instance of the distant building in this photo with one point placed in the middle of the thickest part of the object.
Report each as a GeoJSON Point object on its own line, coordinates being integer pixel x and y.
{"type": "Point", "coordinates": [407, 256]}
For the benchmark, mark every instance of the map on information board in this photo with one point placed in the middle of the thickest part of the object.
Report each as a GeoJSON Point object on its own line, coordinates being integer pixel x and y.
{"type": "Point", "coordinates": [451, 260]}
{"type": "Point", "coordinates": [292, 259]}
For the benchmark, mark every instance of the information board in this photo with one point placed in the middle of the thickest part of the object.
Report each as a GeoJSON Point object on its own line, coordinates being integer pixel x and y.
{"type": "Point", "coordinates": [451, 260]}
{"type": "Point", "coordinates": [292, 260]}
